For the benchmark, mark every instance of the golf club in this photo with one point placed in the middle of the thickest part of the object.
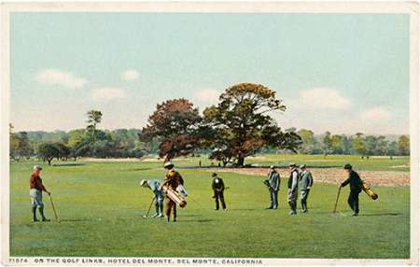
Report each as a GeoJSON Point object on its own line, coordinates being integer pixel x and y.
{"type": "Point", "coordinates": [336, 201]}
{"type": "Point", "coordinates": [53, 207]}
{"type": "Point", "coordinates": [150, 206]}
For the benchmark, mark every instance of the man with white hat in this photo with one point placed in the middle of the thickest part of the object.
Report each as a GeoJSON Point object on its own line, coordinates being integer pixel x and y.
{"type": "Point", "coordinates": [154, 185]}
{"type": "Point", "coordinates": [35, 192]}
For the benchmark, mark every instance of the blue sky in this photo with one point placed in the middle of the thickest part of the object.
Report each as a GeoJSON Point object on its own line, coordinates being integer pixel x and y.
{"type": "Point", "coordinates": [345, 73]}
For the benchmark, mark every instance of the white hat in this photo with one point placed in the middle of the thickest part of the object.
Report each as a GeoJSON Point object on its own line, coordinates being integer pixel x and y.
{"type": "Point", "coordinates": [143, 182]}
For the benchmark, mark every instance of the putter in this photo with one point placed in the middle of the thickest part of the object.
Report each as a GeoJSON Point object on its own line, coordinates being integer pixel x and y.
{"type": "Point", "coordinates": [148, 211]}
{"type": "Point", "coordinates": [336, 201]}
{"type": "Point", "coordinates": [53, 207]}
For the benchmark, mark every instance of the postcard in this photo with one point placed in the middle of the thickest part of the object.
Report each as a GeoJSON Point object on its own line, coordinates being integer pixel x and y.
{"type": "Point", "coordinates": [210, 133]}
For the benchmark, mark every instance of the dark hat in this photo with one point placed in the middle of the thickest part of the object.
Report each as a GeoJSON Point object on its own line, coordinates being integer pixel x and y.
{"type": "Point", "coordinates": [214, 174]}
{"type": "Point", "coordinates": [292, 165]}
{"type": "Point", "coordinates": [303, 166]}
{"type": "Point", "coordinates": [348, 167]}
{"type": "Point", "coordinates": [168, 165]}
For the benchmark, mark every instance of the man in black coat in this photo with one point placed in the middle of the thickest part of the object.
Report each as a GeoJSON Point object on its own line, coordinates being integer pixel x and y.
{"type": "Point", "coordinates": [218, 188]}
{"type": "Point", "coordinates": [355, 188]}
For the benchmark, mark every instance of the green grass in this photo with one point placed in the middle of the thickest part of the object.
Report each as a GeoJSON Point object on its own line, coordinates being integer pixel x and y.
{"type": "Point", "coordinates": [374, 163]}
{"type": "Point", "coordinates": [101, 207]}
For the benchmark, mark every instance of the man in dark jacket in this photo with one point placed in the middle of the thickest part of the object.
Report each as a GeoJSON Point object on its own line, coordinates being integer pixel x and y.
{"type": "Point", "coordinates": [355, 188]}
{"type": "Point", "coordinates": [273, 187]}
{"type": "Point", "coordinates": [306, 181]}
{"type": "Point", "coordinates": [218, 188]}
{"type": "Point", "coordinates": [292, 185]}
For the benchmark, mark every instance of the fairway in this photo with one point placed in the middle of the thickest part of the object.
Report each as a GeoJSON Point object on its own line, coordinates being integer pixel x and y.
{"type": "Point", "coordinates": [101, 208]}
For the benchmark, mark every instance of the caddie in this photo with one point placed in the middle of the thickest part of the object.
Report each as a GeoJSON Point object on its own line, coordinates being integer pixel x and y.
{"type": "Point", "coordinates": [35, 192]}
{"type": "Point", "coordinates": [154, 185]}
{"type": "Point", "coordinates": [355, 188]}
{"type": "Point", "coordinates": [306, 181]}
{"type": "Point", "coordinates": [172, 180]}
{"type": "Point", "coordinates": [292, 185]}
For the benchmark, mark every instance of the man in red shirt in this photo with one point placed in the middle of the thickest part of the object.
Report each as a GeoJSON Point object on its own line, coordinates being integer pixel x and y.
{"type": "Point", "coordinates": [35, 192]}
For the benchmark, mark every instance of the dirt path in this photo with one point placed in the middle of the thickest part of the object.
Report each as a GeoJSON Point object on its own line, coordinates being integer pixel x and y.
{"type": "Point", "coordinates": [334, 176]}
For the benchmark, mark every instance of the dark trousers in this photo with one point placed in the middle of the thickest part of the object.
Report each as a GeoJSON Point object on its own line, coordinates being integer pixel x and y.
{"type": "Point", "coordinates": [217, 196]}
{"type": "Point", "coordinates": [354, 201]}
{"type": "Point", "coordinates": [274, 199]}
{"type": "Point", "coordinates": [170, 208]}
{"type": "Point", "coordinates": [304, 199]}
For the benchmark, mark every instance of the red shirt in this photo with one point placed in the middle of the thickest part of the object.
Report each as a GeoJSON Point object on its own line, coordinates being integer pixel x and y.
{"type": "Point", "coordinates": [35, 182]}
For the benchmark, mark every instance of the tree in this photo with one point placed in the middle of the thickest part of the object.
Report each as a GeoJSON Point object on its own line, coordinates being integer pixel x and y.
{"type": "Point", "coordinates": [392, 149]}
{"type": "Point", "coordinates": [94, 118]}
{"type": "Point", "coordinates": [14, 143]}
{"type": "Point", "coordinates": [359, 144]}
{"type": "Point", "coordinates": [308, 141]}
{"type": "Point", "coordinates": [404, 145]}
{"type": "Point", "coordinates": [174, 123]}
{"type": "Point", "coordinates": [327, 144]}
{"type": "Point", "coordinates": [24, 148]}
{"type": "Point", "coordinates": [47, 152]}
{"type": "Point", "coordinates": [239, 125]}
{"type": "Point", "coordinates": [337, 144]}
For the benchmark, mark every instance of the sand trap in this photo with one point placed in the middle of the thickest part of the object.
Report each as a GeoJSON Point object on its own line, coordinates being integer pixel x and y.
{"type": "Point", "coordinates": [335, 176]}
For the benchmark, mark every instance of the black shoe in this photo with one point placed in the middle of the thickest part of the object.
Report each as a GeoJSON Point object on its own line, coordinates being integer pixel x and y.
{"type": "Point", "coordinates": [269, 208]}
{"type": "Point", "coordinates": [356, 214]}
{"type": "Point", "coordinates": [174, 220]}
{"type": "Point", "coordinates": [45, 220]}
{"type": "Point", "coordinates": [35, 220]}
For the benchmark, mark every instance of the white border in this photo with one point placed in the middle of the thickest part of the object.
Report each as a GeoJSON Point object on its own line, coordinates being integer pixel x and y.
{"type": "Point", "coordinates": [410, 8]}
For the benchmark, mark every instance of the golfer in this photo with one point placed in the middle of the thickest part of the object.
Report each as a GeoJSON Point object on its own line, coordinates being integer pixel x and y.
{"type": "Point", "coordinates": [154, 185]}
{"type": "Point", "coordinates": [35, 192]}
{"type": "Point", "coordinates": [355, 188]}
{"type": "Point", "coordinates": [218, 189]}
{"type": "Point", "coordinates": [172, 180]}
{"type": "Point", "coordinates": [292, 185]}
{"type": "Point", "coordinates": [273, 187]}
{"type": "Point", "coordinates": [306, 182]}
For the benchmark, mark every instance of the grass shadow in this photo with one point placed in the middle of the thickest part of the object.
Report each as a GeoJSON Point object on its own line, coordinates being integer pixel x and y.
{"type": "Point", "coordinates": [69, 165]}
{"type": "Point", "coordinates": [137, 169]}
{"type": "Point", "coordinates": [382, 214]}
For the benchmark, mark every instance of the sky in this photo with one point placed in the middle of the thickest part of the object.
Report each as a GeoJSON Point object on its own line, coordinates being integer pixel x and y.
{"type": "Point", "coordinates": [343, 73]}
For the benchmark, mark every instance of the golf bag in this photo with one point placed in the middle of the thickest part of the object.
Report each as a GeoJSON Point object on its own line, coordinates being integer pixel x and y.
{"type": "Point", "coordinates": [173, 195]}
{"type": "Point", "coordinates": [182, 192]}
{"type": "Point", "coordinates": [369, 191]}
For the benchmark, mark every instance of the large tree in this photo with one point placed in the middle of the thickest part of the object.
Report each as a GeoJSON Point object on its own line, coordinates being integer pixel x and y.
{"type": "Point", "coordinates": [174, 123]}
{"type": "Point", "coordinates": [240, 124]}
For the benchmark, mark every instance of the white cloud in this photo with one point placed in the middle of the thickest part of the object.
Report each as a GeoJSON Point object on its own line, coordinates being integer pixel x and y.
{"type": "Point", "coordinates": [130, 75]}
{"type": "Point", "coordinates": [321, 98]}
{"type": "Point", "coordinates": [108, 93]}
{"type": "Point", "coordinates": [376, 115]}
{"type": "Point", "coordinates": [207, 96]}
{"type": "Point", "coordinates": [61, 78]}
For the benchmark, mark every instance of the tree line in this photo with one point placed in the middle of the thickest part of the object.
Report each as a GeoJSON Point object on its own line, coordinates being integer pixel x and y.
{"type": "Point", "coordinates": [358, 144]}
{"type": "Point", "coordinates": [239, 126]}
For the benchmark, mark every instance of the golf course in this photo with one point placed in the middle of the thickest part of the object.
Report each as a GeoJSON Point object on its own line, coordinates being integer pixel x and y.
{"type": "Point", "coordinates": [101, 208]}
